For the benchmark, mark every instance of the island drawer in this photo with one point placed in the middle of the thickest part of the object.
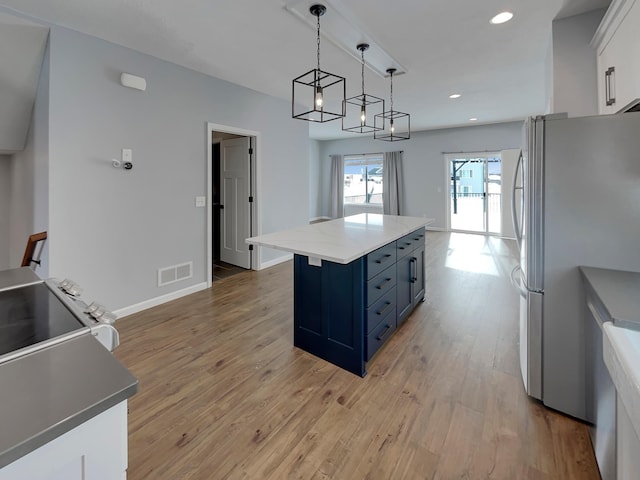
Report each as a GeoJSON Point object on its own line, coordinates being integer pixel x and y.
{"type": "Point", "coordinates": [379, 335]}
{"type": "Point", "coordinates": [381, 284]}
{"type": "Point", "coordinates": [380, 259]}
{"type": "Point", "coordinates": [409, 243]}
{"type": "Point", "coordinates": [381, 309]}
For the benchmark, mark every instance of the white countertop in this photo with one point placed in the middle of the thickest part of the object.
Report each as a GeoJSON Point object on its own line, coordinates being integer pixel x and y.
{"type": "Point", "coordinates": [621, 353]}
{"type": "Point", "coordinates": [342, 240]}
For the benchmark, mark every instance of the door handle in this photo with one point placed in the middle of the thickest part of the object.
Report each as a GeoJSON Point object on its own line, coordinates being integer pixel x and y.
{"type": "Point", "coordinates": [221, 207]}
{"type": "Point", "coordinates": [609, 96]}
{"type": "Point", "coordinates": [414, 269]}
{"type": "Point", "coordinates": [516, 283]}
{"type": "Point", "coordinates": [514, 215]}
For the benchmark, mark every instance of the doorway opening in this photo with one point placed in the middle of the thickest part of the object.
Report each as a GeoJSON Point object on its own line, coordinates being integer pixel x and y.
{"type": "Point", "coordinates": [474, 192]}
{"type": "Point", "coordinates": [232, 213]}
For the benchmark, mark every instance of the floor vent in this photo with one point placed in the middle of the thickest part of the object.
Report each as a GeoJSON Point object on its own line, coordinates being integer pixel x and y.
{"type": "Point", "coordinates": [175, 273]}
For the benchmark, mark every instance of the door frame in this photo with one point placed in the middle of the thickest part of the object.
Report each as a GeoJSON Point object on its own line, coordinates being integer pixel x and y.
{"type": "Point", "coordinates": [447, 189]}
{"type": "Point", "coordinates": [256, 188]}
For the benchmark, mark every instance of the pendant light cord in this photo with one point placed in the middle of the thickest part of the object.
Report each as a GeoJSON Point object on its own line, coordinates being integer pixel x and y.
{"type": "Point", "coordinates": [318, 41]}
{"type": "Point", "coordinates": [362, 54]}
{"type": "Point", "coordinates": [391, 73]}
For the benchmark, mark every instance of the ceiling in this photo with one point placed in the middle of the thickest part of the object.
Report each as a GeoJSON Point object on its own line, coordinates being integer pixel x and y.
{"type": "Point", "coordinates": [446, 46]}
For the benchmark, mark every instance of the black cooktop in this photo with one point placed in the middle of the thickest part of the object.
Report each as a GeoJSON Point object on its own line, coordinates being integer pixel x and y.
{"type": "Point", "coordinates": [30, 315]}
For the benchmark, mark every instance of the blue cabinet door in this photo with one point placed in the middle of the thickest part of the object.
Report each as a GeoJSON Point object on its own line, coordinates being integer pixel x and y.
{"type": "Point", "coordinates": [329, 311]}
{"type": "Point", "coordinates": [404, 286]}
{"type": "Point", "coordinates": [418, 278]}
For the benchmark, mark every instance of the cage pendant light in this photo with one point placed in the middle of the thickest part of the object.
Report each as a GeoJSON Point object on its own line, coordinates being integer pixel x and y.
{"type": "Point", "coordinates": [318, 96]}
{"type": "Point", "coordinates": [361, 110]}
{"type": "Point", "coordinates": [397, 125]}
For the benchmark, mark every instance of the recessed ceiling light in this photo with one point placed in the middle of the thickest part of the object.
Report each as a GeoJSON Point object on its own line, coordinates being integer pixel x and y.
{"type": "Point", "coordinates": [455, 95]}
{"type": "Point", "coordinates": [502, 18]}
{"type": "Point", "coordinates": [473, 119]}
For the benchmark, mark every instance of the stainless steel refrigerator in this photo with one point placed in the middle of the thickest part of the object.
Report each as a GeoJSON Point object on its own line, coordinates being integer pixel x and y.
{"type": "Point", "coordinates": [576, 201]}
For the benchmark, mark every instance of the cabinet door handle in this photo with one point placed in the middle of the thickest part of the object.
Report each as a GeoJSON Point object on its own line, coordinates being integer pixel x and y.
{"type": "Point", "coordinates": [386, 257]}
{"type": "Point", "coordinates": [386, 307]}
{"type": "Point", "coordinates": [386, 280]}
{"type": "Point", "coordinates": [610, 92]}
{"type": "Point", "coordinates": [414, 269]}
{"type": "Point", "coordinates": [384, 333]}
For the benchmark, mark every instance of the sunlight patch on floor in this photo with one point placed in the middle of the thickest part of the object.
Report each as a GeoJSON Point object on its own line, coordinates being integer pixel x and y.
{"type": "Point", "coordinates": [478, 254]}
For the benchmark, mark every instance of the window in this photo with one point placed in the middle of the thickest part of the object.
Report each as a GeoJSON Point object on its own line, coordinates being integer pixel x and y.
{"type": "Point", "coordinates": [363, 179]}
{"type": "Point", "coordinates": [466, 173]}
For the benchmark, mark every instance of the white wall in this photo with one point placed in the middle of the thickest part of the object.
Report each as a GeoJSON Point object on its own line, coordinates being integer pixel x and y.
{"type": "Point", "coordinates": [29, 211]}
{"type": "Point", "coordinates": [575, 88]}
{"type": "Point", "coordinates": [424, 166]}
{"type": "Point", "coordinates": [315, 178]}
{"type": "Point", "coordinates": [110, 230]}
{"type": "Point", "coordinates": [5, 210]}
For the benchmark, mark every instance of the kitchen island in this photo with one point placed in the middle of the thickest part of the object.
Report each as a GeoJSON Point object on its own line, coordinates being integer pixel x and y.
{"type": "Point", "coordinates": [356, 280]}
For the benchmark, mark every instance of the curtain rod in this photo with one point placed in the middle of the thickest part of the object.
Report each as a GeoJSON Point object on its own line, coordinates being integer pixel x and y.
{"type": "Point", "coordinates": [474, 151]}
{"type": "Point", "coordinates": [364, 154]}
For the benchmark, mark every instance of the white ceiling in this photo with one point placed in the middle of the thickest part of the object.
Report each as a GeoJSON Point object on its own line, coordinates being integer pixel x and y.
{"type": "Point", "coordinates": [446, 46]}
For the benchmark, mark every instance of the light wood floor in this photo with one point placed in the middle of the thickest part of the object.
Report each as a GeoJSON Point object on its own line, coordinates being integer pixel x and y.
{"type": "Point", "coordinates": [224, 394]}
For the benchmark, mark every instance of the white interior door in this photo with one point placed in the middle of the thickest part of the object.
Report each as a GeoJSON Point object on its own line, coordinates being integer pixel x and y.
{"type": "Point", "coordinates": [236, 210]}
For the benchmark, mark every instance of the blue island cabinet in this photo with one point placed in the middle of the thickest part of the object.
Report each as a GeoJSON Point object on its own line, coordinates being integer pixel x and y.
{"type": "Point", "coordinates": [344, 313]}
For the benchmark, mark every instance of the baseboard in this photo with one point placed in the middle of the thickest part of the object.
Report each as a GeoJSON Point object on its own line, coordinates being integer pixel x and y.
{"type": "Point", "coordinates": [154, 302]}
{"type": "Point", "coordinates": [276, 261]}
{"type": "Point", "coordinates": [435, 229]}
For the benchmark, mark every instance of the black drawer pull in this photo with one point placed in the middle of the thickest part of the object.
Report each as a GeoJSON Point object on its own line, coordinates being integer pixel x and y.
{"type": "Point", "coordinates": [386, 257]}
{"type": "Point", "coordinates": [386, 307]}
{"type": "Point", "coordinates": [387, 330]}
{"type": "Point", "coordinates": [400, 248]}
{"type": "Point", "coordinates": [418, 239]}
{"type": "Point", "coordinates": [407, 243]}
{"type": "Point", "coordinates": [386, 280]}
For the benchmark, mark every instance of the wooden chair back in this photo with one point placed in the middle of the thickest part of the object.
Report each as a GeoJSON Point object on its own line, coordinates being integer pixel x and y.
{"type": "Point", "coordinates": [27, 259]}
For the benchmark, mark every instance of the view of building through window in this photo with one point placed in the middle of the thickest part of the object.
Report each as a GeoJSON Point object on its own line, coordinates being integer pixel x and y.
{"type": "Point", "coordinates": [475, 192]}
{"type": "Point", "coordinates": [363, 179]}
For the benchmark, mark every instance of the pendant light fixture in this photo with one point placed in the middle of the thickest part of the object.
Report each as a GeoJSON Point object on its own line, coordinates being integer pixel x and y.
{"type": "Point", "coordinates": [363, 107]}
{"type": "Point", "coordinates": [318, 96]}
{"type": "Point", "coordinates": [397, 125]}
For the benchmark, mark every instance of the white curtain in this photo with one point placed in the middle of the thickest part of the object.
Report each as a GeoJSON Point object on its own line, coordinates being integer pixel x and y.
{"type": "Point", "coordinates": [392, 183]}
{"type": "Point", "coordinates": [337, 186]}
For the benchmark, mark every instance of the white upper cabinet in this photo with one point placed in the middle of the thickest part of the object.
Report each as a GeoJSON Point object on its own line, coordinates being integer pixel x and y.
{"type": "Point", "coordinates": [617, 43]}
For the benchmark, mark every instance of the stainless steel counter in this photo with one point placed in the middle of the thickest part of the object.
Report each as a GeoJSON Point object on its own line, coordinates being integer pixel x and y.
{"type": "Point", "coordinates": [49, 392]}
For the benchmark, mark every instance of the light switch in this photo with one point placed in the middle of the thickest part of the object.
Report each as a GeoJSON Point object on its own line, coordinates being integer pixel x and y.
{"type": "Point", "coordinates": [127, 155]}
{"type": "Point", "coordinates": [201, 201]}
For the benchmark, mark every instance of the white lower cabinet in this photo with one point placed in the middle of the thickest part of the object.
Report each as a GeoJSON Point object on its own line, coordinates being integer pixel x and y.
{"type": "Point", "coordinates": [94, 450]}
{"type": "Point", "coordinates": [628, 451]}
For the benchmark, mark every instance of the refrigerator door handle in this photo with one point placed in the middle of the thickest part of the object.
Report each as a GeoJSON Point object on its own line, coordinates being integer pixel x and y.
{"type": "Point", "coordinates": [516, 282]}
{"type": "Point", "coordinates": [514, 215]}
